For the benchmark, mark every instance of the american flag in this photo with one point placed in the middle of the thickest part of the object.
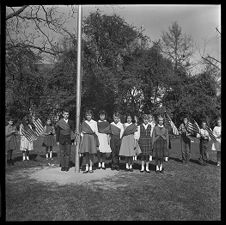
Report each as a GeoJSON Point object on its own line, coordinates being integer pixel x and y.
{"type": "Point", "coordinates": [192, 127]}
{"type": "Point", "coordinates": [174, 128]}
{"type": "Point", "coordinates": [211, 133]}
{"type": "Point", "coordinates": [39, 129]}
{"type": "Point", "coordinates": [29, 134]}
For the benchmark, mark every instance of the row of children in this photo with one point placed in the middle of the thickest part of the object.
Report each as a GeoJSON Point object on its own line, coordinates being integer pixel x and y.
{"type": "Point", "coordinates": [130, 139]}
{"type": "Point", "coordinates": [26, 145]}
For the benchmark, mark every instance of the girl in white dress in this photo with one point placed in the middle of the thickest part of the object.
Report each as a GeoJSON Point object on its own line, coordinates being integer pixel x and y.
{"type": "Point", "coordinates": [217, 145]}
{"type": "Point", "coordinates": [25, 144]}
{"type": "Point", "coordinates": [104, 139]}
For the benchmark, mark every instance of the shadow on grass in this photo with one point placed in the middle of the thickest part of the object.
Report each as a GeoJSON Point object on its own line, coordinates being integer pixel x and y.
{"type": "Point", "coordinates": [175, 159]}
{"type": "Point", "coordinates": [211, 162]}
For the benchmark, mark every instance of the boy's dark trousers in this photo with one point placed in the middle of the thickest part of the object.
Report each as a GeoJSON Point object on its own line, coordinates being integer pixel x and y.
{"type": "Point", "coordinates": [185, 149]}
{"type": "Point", "coordinates": [115, 144]}
{"type": "Point", "coordinates": [203, 150]}
{"type": "Point", "coordinates": [65, 152]}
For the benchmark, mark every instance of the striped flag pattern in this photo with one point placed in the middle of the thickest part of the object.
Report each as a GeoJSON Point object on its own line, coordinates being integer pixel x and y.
{"type": "Point", "coordinates": [174, 128]}
{"type": "Point", "coordinates": [193, 127]}
{"type": "Point", "coordinates": [29, 134]}
{"type": "Point", "coordinates": [211, 133]}
{"type": "Point", "coordinates": [38, 127]}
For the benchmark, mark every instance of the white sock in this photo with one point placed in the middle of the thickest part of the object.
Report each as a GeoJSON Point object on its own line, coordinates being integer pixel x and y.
{"type": "Point", "coordinates": [127, 166]}
{"type": "Point", "coordinates": [24, 156]}
{"type": "Point", "coordinates": [27, 157]}
{"type": "Point", "coordinates": [47, 155]}
{"type": "Point", "coordinates": [90, 167]}
{"type": "Point", "coordinates": [87, 167]}
{"type": "Point", "coordinates": [166, 159]}
{"type": "Point", "coordinates": [142, 166]}
{"type": "Point", "coordinates": [103, 164]}
{"type": "Point", "coordinates": [135, 157]}
{"type": "Point", "coordinates": [131, 167]}
{"type": "Point", "coordinates": [157, 168]}
{"type": "Point", "coordinates": [147, 164]}
{"type": "Point", "coordinates": [160, 168]}
{"type": "Point", "coordinates": [50, 154]}
{"type": "Point", "coordinates": [99, 164]}
{"type": "Point", "coordinates": [150, 158]}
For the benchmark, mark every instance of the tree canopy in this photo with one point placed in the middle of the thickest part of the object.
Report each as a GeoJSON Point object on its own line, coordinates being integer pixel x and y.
{"type": "Point", "coordinates": [121, 70]}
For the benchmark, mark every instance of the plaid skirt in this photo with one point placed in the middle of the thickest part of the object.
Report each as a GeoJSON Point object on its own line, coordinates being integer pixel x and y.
{"type": "Point", "coordinates": [145, 146]}
{"type": "Point", "coordinates": [160, 149]}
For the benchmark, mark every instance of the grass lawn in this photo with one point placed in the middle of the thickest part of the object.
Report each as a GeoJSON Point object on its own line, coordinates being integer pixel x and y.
{"type": "Point", "coordinates": [183, 192]}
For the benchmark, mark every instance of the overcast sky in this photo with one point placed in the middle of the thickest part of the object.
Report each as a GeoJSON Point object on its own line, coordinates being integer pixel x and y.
{"type": "Point", "coordinates": [199, 21]}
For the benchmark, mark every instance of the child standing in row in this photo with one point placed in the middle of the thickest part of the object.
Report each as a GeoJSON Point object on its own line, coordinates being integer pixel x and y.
{"type": "Point", "coordinates": [25, 145]}
{"type": "Point", "coordinates": [137, 150]}
{"type": "Point", "coordinates": [11, 143]}
{"type": "Point", "coordinates": [145, 143]}
{"type": "Point", "coordinates": [128, 143]}
{"type": "Point", "coordinates": [217, 144]}
{"type": "Point", "coordinates": [104, 139]}
{"type": "Point", "coordinates": [151, 121]}
{"type": "Point", "coordinates": [89, 143]}
{"type": "Point", "coordinates": [49, 141]}
{"type": "Point", "coordinates": [204, 142]}
{"type": "Point", "coordinates": [160, 143]}
{"type": "Point", "coordinates": [115, 142]}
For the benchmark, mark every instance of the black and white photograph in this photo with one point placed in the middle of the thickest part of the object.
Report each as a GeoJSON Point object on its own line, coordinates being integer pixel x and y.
{"type": "Point", "coordinates": [112, 112]}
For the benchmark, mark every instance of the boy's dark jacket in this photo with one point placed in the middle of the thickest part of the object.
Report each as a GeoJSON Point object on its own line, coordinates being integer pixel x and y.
{"type": "Point", "coordinates": [64, 136]}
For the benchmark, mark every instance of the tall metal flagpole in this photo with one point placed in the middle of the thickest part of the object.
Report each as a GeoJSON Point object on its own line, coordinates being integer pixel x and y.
{"type": "Point", "coordinates": [78, 88]}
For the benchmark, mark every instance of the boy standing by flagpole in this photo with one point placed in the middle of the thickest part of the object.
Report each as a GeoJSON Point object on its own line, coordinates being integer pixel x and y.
{"type": "Point", "coordinates": [64, 130]}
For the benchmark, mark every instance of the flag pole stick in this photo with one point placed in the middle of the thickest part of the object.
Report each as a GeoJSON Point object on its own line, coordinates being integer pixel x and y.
{"type": "Point", "coordinates": [78, 86]}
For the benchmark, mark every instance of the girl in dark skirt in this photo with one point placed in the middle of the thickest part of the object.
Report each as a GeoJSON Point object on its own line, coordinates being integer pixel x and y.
{"type": "Point", "coordinates": [160, 143]}
{"type": "Point", "coordinates": [145, 143]}
{"type": "Point", "coordinates": [49, 140]}
{"type": "Point", "coordinates": [89, 142]}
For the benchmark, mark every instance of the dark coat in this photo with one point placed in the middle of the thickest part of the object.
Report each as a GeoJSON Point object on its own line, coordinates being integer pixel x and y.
{"type": "Point", "coordinates": [64, 139]}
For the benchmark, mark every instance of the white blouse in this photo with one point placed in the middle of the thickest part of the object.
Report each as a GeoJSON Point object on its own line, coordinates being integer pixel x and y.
{"type": "Point", "coordinates": [217, 133]}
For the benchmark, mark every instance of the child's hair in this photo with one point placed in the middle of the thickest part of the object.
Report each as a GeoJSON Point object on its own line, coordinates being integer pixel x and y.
{"type": "Point", "coordinates": [129, 114]}
{"type": "Point", "coordinates": [89, 112]}
{"type": "Point", "coordinates": [66, 110]}
{"type": "Point", "coordinates": [10, 119]}
{"type": "Point", "coordinates": [25, 120]}
{"type": "Point", "coordinates": [51, 123]}
{"type": "Point", "coordinates": [103, 112]}
{"type": "Point", "coordinates": [145, 117]}
{"type": "Point", "coordinates": [116, 114]}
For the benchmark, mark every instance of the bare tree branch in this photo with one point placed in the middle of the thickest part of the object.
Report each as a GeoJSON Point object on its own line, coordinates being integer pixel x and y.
{"type": "Point", "coordinates": [218, 31]}
{"type": "Point", "coordinates": [16, 13]}
{"type": "Point", "coordinates": [213, 58]}
{"type": "Point", "coordinates": [210, 62]}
